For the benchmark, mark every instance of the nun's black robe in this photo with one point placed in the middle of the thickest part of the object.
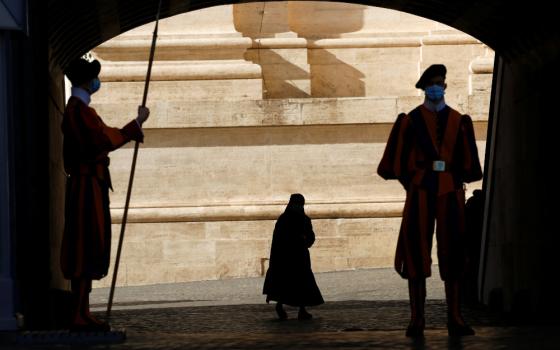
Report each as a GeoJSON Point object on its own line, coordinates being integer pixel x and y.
{"type": "Point", "coordinates": [289, 279]}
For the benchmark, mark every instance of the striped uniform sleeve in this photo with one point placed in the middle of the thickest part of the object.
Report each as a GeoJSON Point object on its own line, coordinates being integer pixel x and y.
{"type": "Point", "coordinates": [393, 164]}
{"type": "Point", "coordinates": [105, 138]}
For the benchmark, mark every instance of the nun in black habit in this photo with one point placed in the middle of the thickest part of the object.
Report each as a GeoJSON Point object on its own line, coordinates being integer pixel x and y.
{"type": "Point", "coordinates": [289, 279]}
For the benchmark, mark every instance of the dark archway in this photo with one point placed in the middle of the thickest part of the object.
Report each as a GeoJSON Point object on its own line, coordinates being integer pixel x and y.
{"type": "Point", "coordinates": [520, 186]}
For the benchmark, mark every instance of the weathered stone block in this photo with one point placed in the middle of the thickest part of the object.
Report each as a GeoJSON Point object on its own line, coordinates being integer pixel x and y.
{"type": "Point", "coordinates": [190, 252]}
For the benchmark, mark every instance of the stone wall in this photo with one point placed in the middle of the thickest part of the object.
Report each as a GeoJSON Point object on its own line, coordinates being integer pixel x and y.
{"type": "Point", "coordinates": [253, 102]}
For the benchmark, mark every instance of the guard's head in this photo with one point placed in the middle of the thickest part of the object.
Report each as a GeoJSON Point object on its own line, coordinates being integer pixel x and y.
{"type": "Point", "coordinates": [81, 72]}
{"type": "Point", "coordinates": [433, 75]}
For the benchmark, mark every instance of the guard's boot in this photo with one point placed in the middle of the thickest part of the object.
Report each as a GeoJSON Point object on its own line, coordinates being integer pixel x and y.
{"type": "Point", "coordinates": [456, 326]}
{"type": "Point", "coordinates": [82, 319]}
{"type": "Point", "coordinates": [417, 295]}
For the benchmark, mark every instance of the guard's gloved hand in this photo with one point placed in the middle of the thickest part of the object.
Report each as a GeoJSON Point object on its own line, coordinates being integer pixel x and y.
{"type": "Point", "coordinates": [143, 114]}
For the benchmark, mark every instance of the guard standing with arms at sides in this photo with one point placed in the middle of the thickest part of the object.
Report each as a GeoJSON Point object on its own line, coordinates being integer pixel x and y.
{"type": "Point", "coordinates": [432, 152]}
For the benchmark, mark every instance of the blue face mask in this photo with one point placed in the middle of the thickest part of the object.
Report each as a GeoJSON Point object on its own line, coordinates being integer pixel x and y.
{"type": "Point", "coordinates": [434, 93]}
{"type": "Point", "coordinates": [94, 85]}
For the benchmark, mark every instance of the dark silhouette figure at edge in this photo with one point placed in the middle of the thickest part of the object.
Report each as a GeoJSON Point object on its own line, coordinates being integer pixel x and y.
{"type": "Point", "coordinates": [432, 152]}
{"type": "Point", "coordinates": [86, 243]}
{"type": "Point", "coordinates": [474, 213]}
{"type": "Point", "coordinates": [289, 279]}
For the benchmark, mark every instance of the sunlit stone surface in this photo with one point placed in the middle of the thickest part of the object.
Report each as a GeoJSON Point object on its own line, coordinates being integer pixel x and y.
{"type": "Point", "coordinates": [253, 102]}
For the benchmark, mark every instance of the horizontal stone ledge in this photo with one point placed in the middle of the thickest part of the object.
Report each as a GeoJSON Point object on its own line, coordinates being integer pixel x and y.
{"type": "Point", "coordinates": [358, 43]}
{"type": "Point", "coordinates": [174, 43]}
{"type": "Point", "coordinates": [174, 49]}
{"type": "Point", "coordinates": [262, 113]}
{"type": "Point", "coordinates": [257, 212]}
{"type": "Point", "coordinates": [482, 65]}
{"type": "Point", "coordinates": [364, 43]}
{"type": "Point", "coordinates": [279, 43]}
{"type": "Point", "coordinates": [447, 39]}
{"type": "Point", "coordinates": [180, 70]}
{"type": "Point", "coordinates": [113, 49]}
{"type": "Point", "coordinates": [222, 113]}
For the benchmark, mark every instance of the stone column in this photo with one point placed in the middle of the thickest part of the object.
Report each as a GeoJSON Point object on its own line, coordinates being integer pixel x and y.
{"type": "Point", "coordinates": [480, 83]}
{"type": "Point", "coordinates": [279, 51]}
{"type": "Point", "coordinates": [7, 319]}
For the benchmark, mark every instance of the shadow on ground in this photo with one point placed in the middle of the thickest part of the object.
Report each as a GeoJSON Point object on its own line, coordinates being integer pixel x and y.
{"type": "Point", "coordinates": [330, 317]}
{"type": "Point", "coordinates": [343, 324]}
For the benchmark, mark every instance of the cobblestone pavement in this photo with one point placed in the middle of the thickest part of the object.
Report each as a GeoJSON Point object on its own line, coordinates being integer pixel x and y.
{"type": "Point", "coordinates": [367, 284]}
{"type": "Point", "coordinates": [368, 310]}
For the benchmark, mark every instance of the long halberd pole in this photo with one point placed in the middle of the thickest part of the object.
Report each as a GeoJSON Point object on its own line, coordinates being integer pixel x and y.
{"type": "Point", "coordinates": [133, 167]}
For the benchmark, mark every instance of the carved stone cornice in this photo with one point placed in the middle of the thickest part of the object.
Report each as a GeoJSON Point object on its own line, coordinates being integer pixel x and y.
{"type": "Point", "coordinates": [180, 70]}
{"type": "Point", "coordinates": [253, 211]}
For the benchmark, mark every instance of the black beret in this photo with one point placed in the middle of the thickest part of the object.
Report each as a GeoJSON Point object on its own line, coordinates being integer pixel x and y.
{"type": "Point", "coordinates": [81, 71]}
{"type": "Point", "coordinates": [435, 70]}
